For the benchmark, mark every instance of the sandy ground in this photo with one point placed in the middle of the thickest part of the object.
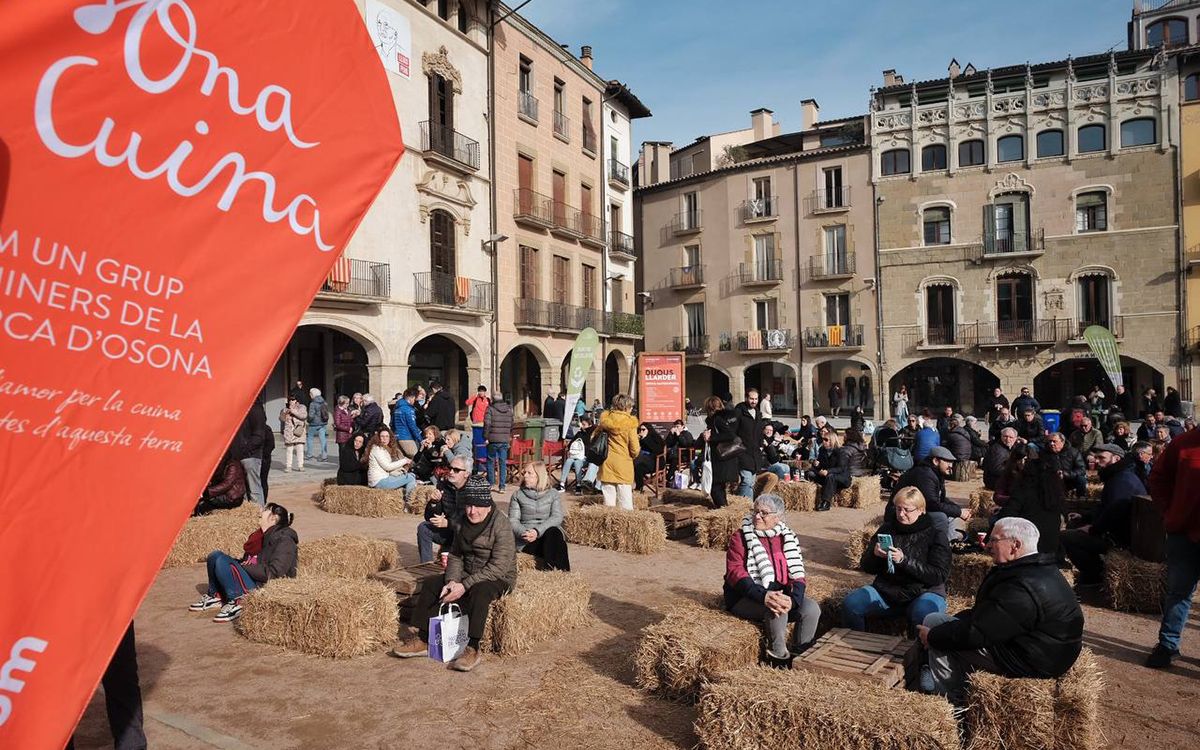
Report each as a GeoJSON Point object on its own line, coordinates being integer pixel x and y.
{"type": "Point", "coordinates": [205, 686]}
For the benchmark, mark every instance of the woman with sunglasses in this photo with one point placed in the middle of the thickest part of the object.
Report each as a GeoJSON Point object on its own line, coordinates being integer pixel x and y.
{"type": "Point", "coordinates": [833, 472]}
{"type": "Point", "coordinates": [765, 581]}
{"type": "Point", "coordinates": [270, 552]}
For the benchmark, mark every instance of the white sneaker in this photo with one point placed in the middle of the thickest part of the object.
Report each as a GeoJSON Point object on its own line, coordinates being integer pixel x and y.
{"type": "Point", "coordinates": [229, 612]}
{"type": "Point", "coordinates": [207, 601]}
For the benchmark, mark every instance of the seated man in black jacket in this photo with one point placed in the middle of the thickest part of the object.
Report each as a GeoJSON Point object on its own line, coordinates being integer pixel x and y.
{"type": "Point", "coordinates": [995, 461]}
{"type": "Point", "coordinates": [678, 440]}
{"type": "Point", "coordinates": [1071, 465]}
{"type": "Point", "coordinates": [1025, 622]}
{"type": "Point", "coordinates": [444, 514]}
{"type": "Point", "coordinates": [929, 477]}
{"type": "Point", "coordinates": [1030, 428]}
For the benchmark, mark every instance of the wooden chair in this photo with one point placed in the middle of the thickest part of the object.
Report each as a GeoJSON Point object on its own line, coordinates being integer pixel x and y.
{"type": "Point", "coordinates": [656, 481]}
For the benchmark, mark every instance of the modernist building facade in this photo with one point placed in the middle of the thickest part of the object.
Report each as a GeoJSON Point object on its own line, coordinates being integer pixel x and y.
{"type": "Point", "coordinates": [1016, 208]}
{"type": "Point", "coordinates": [758, 262]}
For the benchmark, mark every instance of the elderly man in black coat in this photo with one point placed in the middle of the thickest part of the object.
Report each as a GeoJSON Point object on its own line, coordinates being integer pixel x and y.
{"type": "Point", "coordinates": [1026, 621]}
{"type": "Point", "coordinates": [995, 461]}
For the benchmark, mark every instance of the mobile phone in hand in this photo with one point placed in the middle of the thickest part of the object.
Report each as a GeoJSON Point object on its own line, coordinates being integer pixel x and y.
{"type": "Point", "coordinates": [885, 542]}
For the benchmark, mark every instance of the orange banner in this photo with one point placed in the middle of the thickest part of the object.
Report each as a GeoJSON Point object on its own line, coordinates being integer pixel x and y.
{"type": "Point", "coordinates": [176, 180]}
{"type": "Point", "coordinates": [660, 387]}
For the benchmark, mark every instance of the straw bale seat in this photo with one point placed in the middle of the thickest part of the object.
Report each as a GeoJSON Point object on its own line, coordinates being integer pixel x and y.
{"type": "Point", "coordinates": [1134, 585]}
{"type": "Point", "coordinates": [542, 607]}
{"type": "Point", "coordinates": [967, 572]}
{"type": "Point", "coordinates": [981, 502]}
{"type": "Point", "coordinates": [714, 528]}
{"type": "Point", "coordinates": [859, 539]}
{"type": "Point", "coordinates": [350, 556]}
{"type": "Point", "coordinates": [420, 496]}
{"type": "Point", "coordinates": [798, 496]}
{"type": "Point", "coordinates": [225, 530]}
{"type": "Point", "coordinates": [686, 497]}
{"type": "Point", "coordinates": [356, 500]}
{"type": "Point", "coordinates": [863, 492]}
{"type": "Point", "coordinates": [641, 532]}
{"type": "Point", "coordinates": [692, 644]}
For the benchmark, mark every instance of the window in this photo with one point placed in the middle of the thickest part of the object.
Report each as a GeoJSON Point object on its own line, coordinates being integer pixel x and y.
{"type": "Point", "coordinates": [694, 314]}
{"type": "Point", "coordinates": [933, 158]}
{"type": "Point", "coordinates": [585, 199]}
{"type": "Point", "coordinates": [589, 129]}
{"type": "Point", "coordinates": [1093, 302]}
{"type": "Point", "coordinates": [560, 92]}
{"type": "Point", "coordinates": [529, 272]}
{"type": "Point", "coordinates": [1139, 132]}
{"type": "Point", "coordinates": [834, 195]}
{"type": "Point", "coordinates": [1010, 148]}
{"type": "Point", "coordinates": [837, 309]}
{"type": "Point", "coordinates": [1006, 224]}
{"type": "Point", "coordinates": [589, 287]}
{"type": "Point", "coordinates": [1014, 307]}
{"type": "Point", "coordinates": [443, 9]}
{"type": "Point", "coordinates": [441, 111]}
{"type": "Point", "coordinates": [835, 250]}
{"type": "Point", "coordinates": [558, 187]}
{"type": "Point", "coordinates": [1092, 138]}
{"type": "Point", "coordinates": [691, 256]}
{"type": "Point", "coordinates": [760, 205]}
{"type": "Point", "coordinates": [441, 242]}
{"type": "Point", "coordinates": [618, 295]}
{"type": "Point", "coordinates": [562, 280]}
{"type": "Point", "coordinates": [691, 211]}
{"type": "Point", "coordinates": [939, 315]}
{"type": "Point", "coordinates": [1167, 32]}
{"type": "Point", "coordinates": [766, 314]}
{"type": "Point", "coordinates": [896, 161]}
{"type": "Point", "coordinates": [1091, 212]}
{"type": "Point", "coordinates": [1050, 143]}
{"type": "Point", "coordinates": [463, 17]}
{"type": "Point", "coordinates": [525, 77]}
{"type": "Point", "coordinates": [971, 154]}
{"type": "Point", "coordinates": [764, 257]}
{"type": "Point", "coordinates": [937, 225]}
{"type": "Point", "coordinates": [1191, 88]}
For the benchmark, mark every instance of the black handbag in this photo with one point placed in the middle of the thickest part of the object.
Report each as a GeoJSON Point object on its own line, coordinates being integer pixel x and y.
{"type": "Point", "coordinates": [597, 450]}
{"type": "Point", "coordinates": [732, 449]}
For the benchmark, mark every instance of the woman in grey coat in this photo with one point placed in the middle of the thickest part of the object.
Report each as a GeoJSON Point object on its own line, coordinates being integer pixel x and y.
{"type": "Point", "coordinates": [536, 514]}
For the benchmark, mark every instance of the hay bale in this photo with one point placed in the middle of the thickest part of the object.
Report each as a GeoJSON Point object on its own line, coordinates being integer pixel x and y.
{"type": "Point", "coordinates": [863, 492]}
{"type": "Point", "coordinates": [349, 556]}
{"type": "Point", "coordinates": [362, 501]}
{"type": "Point", "coordinates": [322, 616]}
{"type": "Point", "coordinates": [979, 524]}
{"type": "Point", "coordinates": [543, 606]}
{"type": "Point", "coordinates": [1094, 490]}
{"type": "Point", "coordinates": [1134, 585]}
{"type": "Point", "coordinates": [798, 496]}
{"type": "Point", "coordinates": [714, 528]}
{"type": "Point", "coordinates": [527, 562]}
{"type": "Point", "coordinates": [981, 502]}
{"type": "Point", "coordinates": [967, 572]}
{"type": "Point", "coordinates": [691, 645]}
{"type": "Point", "coordinates": [858, 541]}
{"type": "Point", "coordinates": [225, 530]}
{"type": "Point", "coordinates": [761, 707]}
{"type": "Point", "coordinates": [643, 499]}
{"type": "Point", "coordinates": [1027, 714]}
{"type": "Point", "coordinates": [420, 496]}
{"type": "Point", "coordinates": [641, 532]}
{"type": "Point", "coordinates": [765, 483]}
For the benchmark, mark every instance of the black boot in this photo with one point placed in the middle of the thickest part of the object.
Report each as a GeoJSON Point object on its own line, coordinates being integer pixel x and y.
{"type": "Point", "coordinates": [824, 505]}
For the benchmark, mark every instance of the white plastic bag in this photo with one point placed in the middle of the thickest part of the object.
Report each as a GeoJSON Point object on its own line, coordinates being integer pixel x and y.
{"type": "Point", "coordinates": [706, 473]}
{"type": "Point", "coordinates": [447, 633]}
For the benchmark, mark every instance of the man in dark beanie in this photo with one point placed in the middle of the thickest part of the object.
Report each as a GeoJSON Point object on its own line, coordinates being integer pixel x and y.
{"type": "Point", "coordinates": [482, 568]}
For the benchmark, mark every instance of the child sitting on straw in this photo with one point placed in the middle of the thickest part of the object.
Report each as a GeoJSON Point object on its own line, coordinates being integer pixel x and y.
{"type": "Point", "coordinates": [270, 552]}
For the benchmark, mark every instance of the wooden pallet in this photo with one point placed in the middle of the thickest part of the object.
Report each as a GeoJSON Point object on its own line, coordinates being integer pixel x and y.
{"type": "Point", "coordinates": [680, 520]}
{"type": "Point", "coordinates": [885, 659]}
{"type": "Point", "coordinates": [408, 581]}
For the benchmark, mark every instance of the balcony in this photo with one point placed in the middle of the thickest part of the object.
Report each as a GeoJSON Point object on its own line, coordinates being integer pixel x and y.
{"type": "Point", "coordinates": [533, 209]}
{"type": "Point", "coordinates": [1022, 332]}
{"type": "Point", "coordinates": [828, 201]}
{"type": "Point", "coordinates": [562, 127]}
{"type": "Point", "coordinates": [556, 316]}
{"type": "Point", "coordinates": [832, 338]}
{"type": "Point", "coordinates": [762, 273]}
{"type": "Point", "coordinates": [760, 209]}
{"type": "Point", "coordinates": [686, 277]}
{"type": "Point", "coordinates": [763, 340]}
{"type": "Point", "coordinates": [831, 266]}
{"type": "Point", "coordinates": [449, 147]}
{"type": "Point", "coordinates": [618, 174]}
{"type": "Point", "coordinates": [948, 337]}
{"type": "Point", "coordinates": [625, 325]}
{"type": "Point", "coordinates": [686, 222]}
{"type": "Point", "coordinates": [591, 229]}
{"type": "Point", "coordinates": [621, 245]}
{"type": "Point", "coordinates": [527, 106]}
{"type": "Point", "coordinates": [1009, 245]}
{"type": "Point", "coordinates": [444, 295]}
{"type": "Point", "coordinates": [589, 139]}
{"type": "Point", "coordinates": [692, 346]}
{"type": "Point", "coordinates": [356, 282]}
{"type": "Point", "coordinates": [1115, 324]}
{"type": "Point", "coordinates": [566, 221]}
{"type": "Point", "coordinates": [1192, 337]}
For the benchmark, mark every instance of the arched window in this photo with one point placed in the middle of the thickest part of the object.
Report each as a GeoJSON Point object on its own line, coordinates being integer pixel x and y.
{"type": "Point", "coordinates": [1139, 132]}
{"type": "Point", "coordinates": [1050, 143]}
{"type": "Point", "coordinates": [1191, 88]}
{"type": "Point", "coordinates": [1169, 32]}
{"type": "Point", "coordinates": [1091, 211]}
{"type": "Point", "coordinates": [1010, 148]}
{"type": "Point", "coordinates": [896, 161]}
{"type": "Point", "coordinates": [971, 154]}
{"type": "Point", "coordinates": [933, 158]}
{"type": "Point", "coordinates": [936, 222]}
{"type": "Point", "coordinates": [441, 243]}
{"type": "Point", "coordinates": [1092, 138]}
{"type": "Point", "coordinates": [1093, 300]}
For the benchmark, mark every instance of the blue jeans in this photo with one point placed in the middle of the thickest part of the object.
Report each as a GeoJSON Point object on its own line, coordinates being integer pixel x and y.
{"type": "Point", "coordinates": [227, 578]}
{"type": "Point", "coordinates": [427, 534]}
{"type": "Point", "coordinates": [497, 453]}
{"type": "Point", "coordinates": [865, 601]}
{"type": "Point", "coordinates": [317, 431]}
{"type": "Point", "coordinates": [780, 470]}
{"type": "Point", "coordinates": [405, 482]}
{"type": "Point", "coordinates": [579, 465]}
{"type": "Point", "coordinates": [1183, 573]}
{"type": "Point", "coordinates": [746, 488]}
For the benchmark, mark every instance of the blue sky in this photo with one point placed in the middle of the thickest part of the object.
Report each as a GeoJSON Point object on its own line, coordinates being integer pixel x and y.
{"type": "Point", "coordinates": [702, 65]}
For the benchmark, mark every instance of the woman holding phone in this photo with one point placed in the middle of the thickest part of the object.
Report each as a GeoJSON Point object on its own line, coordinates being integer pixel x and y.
{"type": "Point", "coordinates": [911, 562]}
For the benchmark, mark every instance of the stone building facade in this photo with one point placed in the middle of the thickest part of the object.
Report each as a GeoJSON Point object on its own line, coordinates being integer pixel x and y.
{"type": "Point", "coordinates": [1016, 207]}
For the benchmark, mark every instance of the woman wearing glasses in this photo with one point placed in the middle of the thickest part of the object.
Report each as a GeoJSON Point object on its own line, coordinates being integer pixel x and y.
{"type": "Point", "coordinates": [764, 579]}
{"type": "Point", "coordinates": [718, 438]}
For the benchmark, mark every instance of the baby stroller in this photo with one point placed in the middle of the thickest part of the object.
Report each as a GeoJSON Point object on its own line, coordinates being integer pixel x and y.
{"type": "Point", "coordinates": [891, 463]}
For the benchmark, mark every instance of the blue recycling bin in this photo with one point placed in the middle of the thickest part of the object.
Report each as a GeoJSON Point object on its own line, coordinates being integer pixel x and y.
{"type": "Point", "coordinates": [479, 445]}
{"type": "Point", "coordinates": [1052, 418]}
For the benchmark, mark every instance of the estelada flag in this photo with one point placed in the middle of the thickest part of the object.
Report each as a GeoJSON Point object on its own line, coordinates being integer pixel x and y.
{"type": "Point", "coordinates": [178, 178]}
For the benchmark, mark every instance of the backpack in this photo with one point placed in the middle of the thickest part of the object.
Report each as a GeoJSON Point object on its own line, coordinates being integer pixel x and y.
{"type": "Point", "coordinates": [597, 450]}
{"type": "Point", "coordinates": [324, 413]}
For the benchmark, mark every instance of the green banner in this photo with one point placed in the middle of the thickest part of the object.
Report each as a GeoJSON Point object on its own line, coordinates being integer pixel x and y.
{"type": "Point", "coordinates": [582, 355]}
{"type": "Point", "coordinates": [1104, 345]}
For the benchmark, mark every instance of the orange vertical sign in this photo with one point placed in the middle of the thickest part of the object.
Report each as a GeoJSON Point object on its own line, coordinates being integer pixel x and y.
{"type": "Point", "coordinates": [660, 387]}
{"type": "Point", "coordinates": [179, 180]}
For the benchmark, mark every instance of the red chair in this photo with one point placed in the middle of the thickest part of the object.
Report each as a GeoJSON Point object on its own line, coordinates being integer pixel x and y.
{"type": "Point", "coordinates": [553, 453]}
{"type": "Point", "coordinates": [520, 452]}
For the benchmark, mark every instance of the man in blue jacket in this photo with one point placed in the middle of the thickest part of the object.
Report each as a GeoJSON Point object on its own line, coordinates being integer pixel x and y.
{"type": "Point", "coordinates": [404, 423]}
{"type": "Point", "coordinates": [924, 441]}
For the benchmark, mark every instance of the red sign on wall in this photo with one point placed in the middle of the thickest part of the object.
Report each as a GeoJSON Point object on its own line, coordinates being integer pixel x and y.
{"type": "Point", "coordinates": [176, 181]}
{"type": "Point", "coordinates": [660, 387]}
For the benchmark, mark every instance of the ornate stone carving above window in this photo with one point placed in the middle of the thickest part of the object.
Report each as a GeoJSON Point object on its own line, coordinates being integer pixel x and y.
{"type": "Point", "coordinates": [440, 190]}
{"type": "Point", "coordinates": [439, 63]}
{"type": "Point", "coordinates": [1010, 183]}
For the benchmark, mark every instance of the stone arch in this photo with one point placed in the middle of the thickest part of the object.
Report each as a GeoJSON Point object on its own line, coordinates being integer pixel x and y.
{"type": "Point", "coordinates": [616, 374]}
{"type": "Point", "coordinates": [360, 333]}
{"type": "Point", "coordinates": [535, 346]}
{"type": "Point", "coordinates": [469, 347]}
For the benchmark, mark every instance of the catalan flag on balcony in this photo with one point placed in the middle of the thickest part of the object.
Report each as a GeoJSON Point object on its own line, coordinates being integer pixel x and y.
{"type": "Point", "coordinates": [462, 290]}
{"type": "Point", "coordinates": [339, 275]}
{"type": "Point", "coordinates": [835, 335]}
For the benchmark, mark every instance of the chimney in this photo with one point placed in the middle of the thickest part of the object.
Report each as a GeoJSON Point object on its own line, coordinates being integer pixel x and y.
{"type": "Point", "coordinates": [760, 123]}
{"type": "Point", "coordinates": [891, 77]}
{"type": "Point", "coordinates": [585, 55]}
{"type": "Point", "coordinates": [810, 112]}
{"type": "Point", "coordinates": [953, 69]}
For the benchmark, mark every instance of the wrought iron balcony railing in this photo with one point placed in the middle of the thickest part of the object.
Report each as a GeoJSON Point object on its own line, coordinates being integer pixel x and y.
{"type": "Point", "coordinates": [834, 337]}
{"type": "Point", "coordinates": [760, 209]}
{"type": "Point", "coordinates": [618, 172]}
{"type": "Point", "coordinates": [358, 278]}
{"type": "Point", "coordinates": [686, 276]}
{"type": "Point", "coordinates": [831, 266]}
{"type": "Point", "coordinates": [562, 125]}
{"type": "Point", "coordinates": [447, 290]}
{"type": "Point", "coordinates": [687, 221]}
{"type": "Point", "coordinates": [1002, 332]}
{"type": "Point", "coordinates": [619, 242]}
{"type": "Point", "coordinates": [762, 272]}
{"type": "Point", "coordinates": [692, 345]}
{"type": "Point", "coordinates": [543, 314]}
{"type": "Point", "coordinates": [531, 207]}
{"type": "Point", "coordinates": [449, 143]}
{"type": "Point", "coordinates": [763, 340]}
{"type": "Point", "coordinates": [1013, 242]}
{"type": "Point", "coordinates": [527, 105]}
{"type": "Point", "coordinates": [822, 201]}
